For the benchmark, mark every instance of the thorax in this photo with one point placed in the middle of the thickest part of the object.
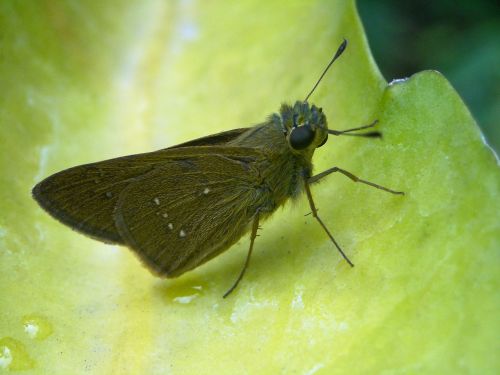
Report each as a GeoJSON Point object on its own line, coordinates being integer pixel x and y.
{"type": "Point", "coordinates": [280, 171]}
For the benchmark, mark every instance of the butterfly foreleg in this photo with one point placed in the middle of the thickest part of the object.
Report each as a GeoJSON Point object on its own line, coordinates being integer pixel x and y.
{"type": "Point", "coordinates": [319, 176]}
{"type": "Point", "coordinates": [314, 212]}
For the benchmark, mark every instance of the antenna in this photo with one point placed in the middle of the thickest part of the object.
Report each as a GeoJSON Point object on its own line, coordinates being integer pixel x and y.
{"type": "Point", "coordinates": [337, 54]}
{"type": "Point", "coordinates": [374, 134]}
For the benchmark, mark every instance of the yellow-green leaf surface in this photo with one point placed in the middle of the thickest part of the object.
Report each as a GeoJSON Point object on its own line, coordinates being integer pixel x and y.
{"type": "Point", "coordinates": [86, 81]}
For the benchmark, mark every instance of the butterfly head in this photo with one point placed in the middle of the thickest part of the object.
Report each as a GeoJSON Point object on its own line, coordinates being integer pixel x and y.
{"type": "Point", "coordinates": [303, 125]}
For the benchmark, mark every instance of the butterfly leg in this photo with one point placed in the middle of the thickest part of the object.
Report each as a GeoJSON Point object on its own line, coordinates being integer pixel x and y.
{"type": "Point", "coordinates": [255, 227]}
{"type": "Point", "coordinates": [315, 215]}
{"type": "Point", "coordinates": [319, 176]}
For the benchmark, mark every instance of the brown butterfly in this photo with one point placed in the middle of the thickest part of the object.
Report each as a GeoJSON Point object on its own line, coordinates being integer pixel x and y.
{"type": "Point", "coordinates": [179, 207]}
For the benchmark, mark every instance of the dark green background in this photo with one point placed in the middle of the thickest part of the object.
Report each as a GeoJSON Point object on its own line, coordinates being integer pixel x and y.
{"type": "Point", "coordinates": [461, 39]}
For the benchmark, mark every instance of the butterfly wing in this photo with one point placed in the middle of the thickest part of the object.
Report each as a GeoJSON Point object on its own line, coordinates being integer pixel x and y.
{"type": "Point", "coordinates": [85, 196]}
{"type": "Point", "coordinates": [214, 139]}
{"type": "Point", "coordinates": [187, 211]}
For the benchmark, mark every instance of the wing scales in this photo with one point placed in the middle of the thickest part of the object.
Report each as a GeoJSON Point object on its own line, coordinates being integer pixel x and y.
{"type": "Point", "coordinates": [181, 215]}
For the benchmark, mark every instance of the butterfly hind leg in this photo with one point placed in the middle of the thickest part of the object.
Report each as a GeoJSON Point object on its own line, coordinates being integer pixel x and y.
{"type": "Point", "coordinates": [253, 235]}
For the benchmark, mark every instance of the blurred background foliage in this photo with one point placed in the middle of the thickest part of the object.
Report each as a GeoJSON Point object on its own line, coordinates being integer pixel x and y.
{"type": "Point", "coordinates": [458, 38]}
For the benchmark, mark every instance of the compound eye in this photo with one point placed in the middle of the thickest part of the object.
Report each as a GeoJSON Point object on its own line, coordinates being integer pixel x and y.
{"type": "Point", "coordinates": [324, 141]}
{"type": "Point", "coordinates": [301, 137]}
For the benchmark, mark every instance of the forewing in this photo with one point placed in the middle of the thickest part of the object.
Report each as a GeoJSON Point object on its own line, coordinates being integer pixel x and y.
{"type": "Point", "coordinates": [85, 196]}
{"type": "Point", "coordinates": [214, 139]}
{"type": "Point", "coordinates": [187, 211]}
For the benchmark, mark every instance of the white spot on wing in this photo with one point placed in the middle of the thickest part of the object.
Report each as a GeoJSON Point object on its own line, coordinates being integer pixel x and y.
{"type": "Point", "coordinates": [170, 226]}
{"type": "Point", "coordinates": [157, 201]}
{"type": "Point", "coordinates": [182, 233]}
{"type": "Point", "coordinates": [206, 191]}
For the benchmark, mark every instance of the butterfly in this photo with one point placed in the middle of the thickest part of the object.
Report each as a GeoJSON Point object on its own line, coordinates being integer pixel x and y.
{"type": "Point", "coordinates": [181, 206]}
